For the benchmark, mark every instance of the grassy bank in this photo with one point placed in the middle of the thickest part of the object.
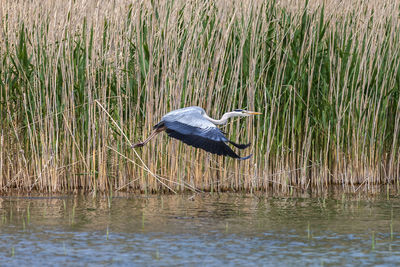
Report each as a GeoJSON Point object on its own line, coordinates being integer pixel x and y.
{"type": "Point", "coordinates": [326, 78]}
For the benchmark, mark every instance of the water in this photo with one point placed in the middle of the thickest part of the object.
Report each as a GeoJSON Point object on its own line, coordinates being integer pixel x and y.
{"type": "Point", "coordinates": [206, 230]}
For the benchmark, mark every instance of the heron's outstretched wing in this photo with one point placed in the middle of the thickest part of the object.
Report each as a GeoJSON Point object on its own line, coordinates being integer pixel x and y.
{"type": "Point", "coordinates": [193, 129]}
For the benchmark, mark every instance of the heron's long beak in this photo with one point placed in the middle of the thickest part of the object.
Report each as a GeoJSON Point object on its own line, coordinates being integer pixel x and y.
{"type": "Point", "coordinates": [253, 113]}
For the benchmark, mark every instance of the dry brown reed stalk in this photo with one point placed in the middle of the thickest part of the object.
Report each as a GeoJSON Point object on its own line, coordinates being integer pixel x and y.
{"type": "Point", "coordinates": [324, 73]}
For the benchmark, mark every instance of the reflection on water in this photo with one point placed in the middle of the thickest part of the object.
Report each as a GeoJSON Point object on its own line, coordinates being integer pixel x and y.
{"type": "Point", "coordinates": [213, 230]}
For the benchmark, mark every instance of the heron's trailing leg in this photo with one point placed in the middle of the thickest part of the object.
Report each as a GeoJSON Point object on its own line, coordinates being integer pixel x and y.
{"type": "Point", "coordinates": [154, 133]}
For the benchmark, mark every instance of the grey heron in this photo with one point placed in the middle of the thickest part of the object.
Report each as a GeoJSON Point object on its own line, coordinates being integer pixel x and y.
{"type": "Point", "coordinates": [194, 127]}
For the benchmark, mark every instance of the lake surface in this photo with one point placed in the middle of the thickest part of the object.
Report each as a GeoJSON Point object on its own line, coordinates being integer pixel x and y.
{"type": "Point", "coordinates": [229, 229]}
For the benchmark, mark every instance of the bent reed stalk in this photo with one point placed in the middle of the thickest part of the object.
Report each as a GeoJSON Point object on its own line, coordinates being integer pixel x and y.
{"type": "Point", "coordinates": [325, 77]}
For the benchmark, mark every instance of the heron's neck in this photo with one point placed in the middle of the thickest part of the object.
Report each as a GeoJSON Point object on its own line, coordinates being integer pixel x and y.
{"type": "Point", "coordinates": [224, 118]}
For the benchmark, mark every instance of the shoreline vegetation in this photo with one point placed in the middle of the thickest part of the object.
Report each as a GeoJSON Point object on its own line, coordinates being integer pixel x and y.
{"type": "Point", "coordinates": [76, 77]}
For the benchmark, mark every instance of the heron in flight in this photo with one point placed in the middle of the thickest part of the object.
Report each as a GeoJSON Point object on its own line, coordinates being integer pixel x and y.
{"type": "Point", "coordinates": [194, 127]}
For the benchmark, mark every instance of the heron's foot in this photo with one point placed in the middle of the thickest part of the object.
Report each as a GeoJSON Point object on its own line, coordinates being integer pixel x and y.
{"type": "Point", "coordinates": [137, 145]}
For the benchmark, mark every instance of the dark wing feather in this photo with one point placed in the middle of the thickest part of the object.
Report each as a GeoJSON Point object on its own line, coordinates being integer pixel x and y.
{"type": "Point", "coordinates": [199, 140]}
{"type": "Point", "coordinates": [240, 146]}
{"type": "Point", "coordinates": [210, 139]}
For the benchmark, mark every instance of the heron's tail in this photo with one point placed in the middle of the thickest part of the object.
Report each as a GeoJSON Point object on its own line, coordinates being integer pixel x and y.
{"type": "Point", "coordinates": [240, 146]}
{"type": "Point", "coordinates": [158, 125]}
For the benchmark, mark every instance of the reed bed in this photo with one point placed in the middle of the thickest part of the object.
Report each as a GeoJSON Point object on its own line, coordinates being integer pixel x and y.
{"type": "Point", "coordinates": [77, 76]}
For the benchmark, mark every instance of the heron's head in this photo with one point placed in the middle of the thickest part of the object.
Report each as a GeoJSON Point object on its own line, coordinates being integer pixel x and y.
{"type": "Point", "coordinates": [245, 113]}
